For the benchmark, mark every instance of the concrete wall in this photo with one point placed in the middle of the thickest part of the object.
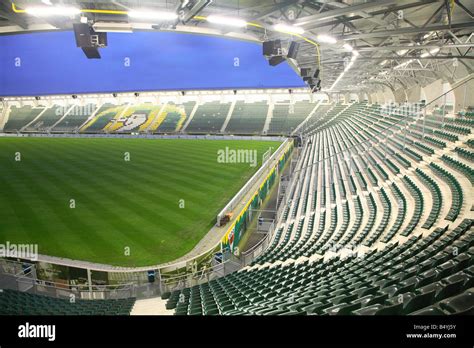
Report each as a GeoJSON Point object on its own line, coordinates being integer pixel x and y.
{"type": "Point", "coordinates": [433, 91]}
{"type": "Point", "coordinates": [374, 98]}
{"type": "Point", "coordinates": [354, 96]}
{"type": "Point", "coordinates": [389, 96]}
{"type": "Point", "coordinates": [414, 94]}
{"type": "Point", "coordinates": [464, 96]}
{"type": "Point", "coordinates": [400, 95]}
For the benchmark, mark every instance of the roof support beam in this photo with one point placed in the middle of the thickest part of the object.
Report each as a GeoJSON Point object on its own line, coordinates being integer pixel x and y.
{"type": "Point", "coordinates": [374, 13]}
{"type": "Point", "coordinates": [458, 2]}
{"type": "Point", "coordinates": [405, 31]}
{"type": "Point", "coordinates": [305, 21]}
{"type": "Point", "coordinates": [403, 47]}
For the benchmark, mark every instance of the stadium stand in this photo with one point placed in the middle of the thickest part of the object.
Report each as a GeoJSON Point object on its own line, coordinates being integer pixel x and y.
{"type": "Point", "coordinates": [19, 117]}
{"type": "Point", "coordinates": [47, 119]}
{"type": "Point", "coordinates": [75, 118]}
{"type": "Point", "coordinates": [174, 118]}
{"type": "Point", "coordinates": [132, 118]}
{"type": "Point", "coordinates": [209, 118]}
{"type": "Point", "coordinates": [106, 113]}
{"type": "Point", "coordinates": [286, 117]}
{"type": "Point", "coordinates": [424, 273]}
{"type": "Point", "coordinates": [247, 118]}
{"type": "Point", "coordinates": [380, 192]}
{"type": "Point", "coordinates": [23, 303]}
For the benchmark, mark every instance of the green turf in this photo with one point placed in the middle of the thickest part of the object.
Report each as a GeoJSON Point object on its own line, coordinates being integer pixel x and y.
{"type": "Point", "coordinates": [119, 204]}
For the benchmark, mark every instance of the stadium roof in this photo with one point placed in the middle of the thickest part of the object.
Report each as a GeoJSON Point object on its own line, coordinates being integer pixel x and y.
{"type": "Point", "coordinates": [400, 43]}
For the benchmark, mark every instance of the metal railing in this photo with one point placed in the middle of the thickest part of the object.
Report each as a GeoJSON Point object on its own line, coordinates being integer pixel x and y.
{"type": "Point", "coordinates": [248, 256]}
{"type": "Point", "coordinates": [257, 177]}
{"type": "Point", "coordinates": [199, 277]}
{"type": "Point", "coordinates": [28, 282]}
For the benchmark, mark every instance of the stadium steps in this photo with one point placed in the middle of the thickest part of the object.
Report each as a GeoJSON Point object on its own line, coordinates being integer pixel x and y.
{"type": "Point", "coordinates": [4, 111]}
{"type": "Point", "coordinates": [228, 117]}
{"type": "Point", "coordinates": [268, 119]}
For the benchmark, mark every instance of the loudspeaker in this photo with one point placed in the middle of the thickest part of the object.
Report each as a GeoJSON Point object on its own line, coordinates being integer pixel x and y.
{"type": "Point", "coordinates": [91, 52]}
{"type": "Point", "coordinates": [304, 72]}
{"type": "Point", "coordinates": [272, 48]}
{"type": "Point", "coordinates": [82, 32]}
{"type": "Point", "coordinates": [87, 37]}
{"type": "Point", "coordinates": [276, 60]}
{"type": "Point", "coordinates": [293, 50]}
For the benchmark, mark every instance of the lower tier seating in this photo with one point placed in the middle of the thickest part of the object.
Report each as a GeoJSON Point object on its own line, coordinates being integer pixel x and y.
{"type": "Point", "coordinates": [432, 275]}
{"type": "Point", "coordinates": [23, 303]}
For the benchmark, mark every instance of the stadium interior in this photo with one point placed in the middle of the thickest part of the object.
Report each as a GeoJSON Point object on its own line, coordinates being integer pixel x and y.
{"type": "Point", "coordinates": [127, 161]}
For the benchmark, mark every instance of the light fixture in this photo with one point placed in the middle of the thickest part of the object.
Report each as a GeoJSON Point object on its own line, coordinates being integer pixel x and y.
{"type": "Point", "coordinates": [326, 39]}
{"type": "Point", "coordinates": [230, 21]}
{"type": "Point", "coordinates": [112, 27]}
{"type": "Point", "coordinates": [289, 29]}
{"type": "Point", "coordinates": [46, 11]}
{"type": "Point", "coordinates": [384, 62]}
{"type": "Point", "coordinates": [159, 15]}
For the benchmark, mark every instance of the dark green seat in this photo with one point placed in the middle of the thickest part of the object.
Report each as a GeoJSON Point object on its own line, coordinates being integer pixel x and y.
{"type": "Point", "coordinates": [419, 301]}
{"type": "Point", "coordinates": [459, 304]}
{"type": "Point", "coordinates": [431, 310]}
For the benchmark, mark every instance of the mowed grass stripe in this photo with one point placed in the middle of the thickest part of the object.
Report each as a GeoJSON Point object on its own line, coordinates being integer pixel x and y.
{"type": "Point", "coordinates": [86, 232]}
{"type": "Point", "coordinates": [122, 203]}
{"type": "Point", "coordinates": [171, 201]}
{"type": "Point", "coordinates": [175, 188]}
{"type": "Point", "coordinates": [128, 243]}
{"type": "Point", "coordinates": [126, 227]}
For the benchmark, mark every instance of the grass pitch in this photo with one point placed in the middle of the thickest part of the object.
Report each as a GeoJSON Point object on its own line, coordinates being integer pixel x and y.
{"type": "Point", "coordinates": [118, 204]}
